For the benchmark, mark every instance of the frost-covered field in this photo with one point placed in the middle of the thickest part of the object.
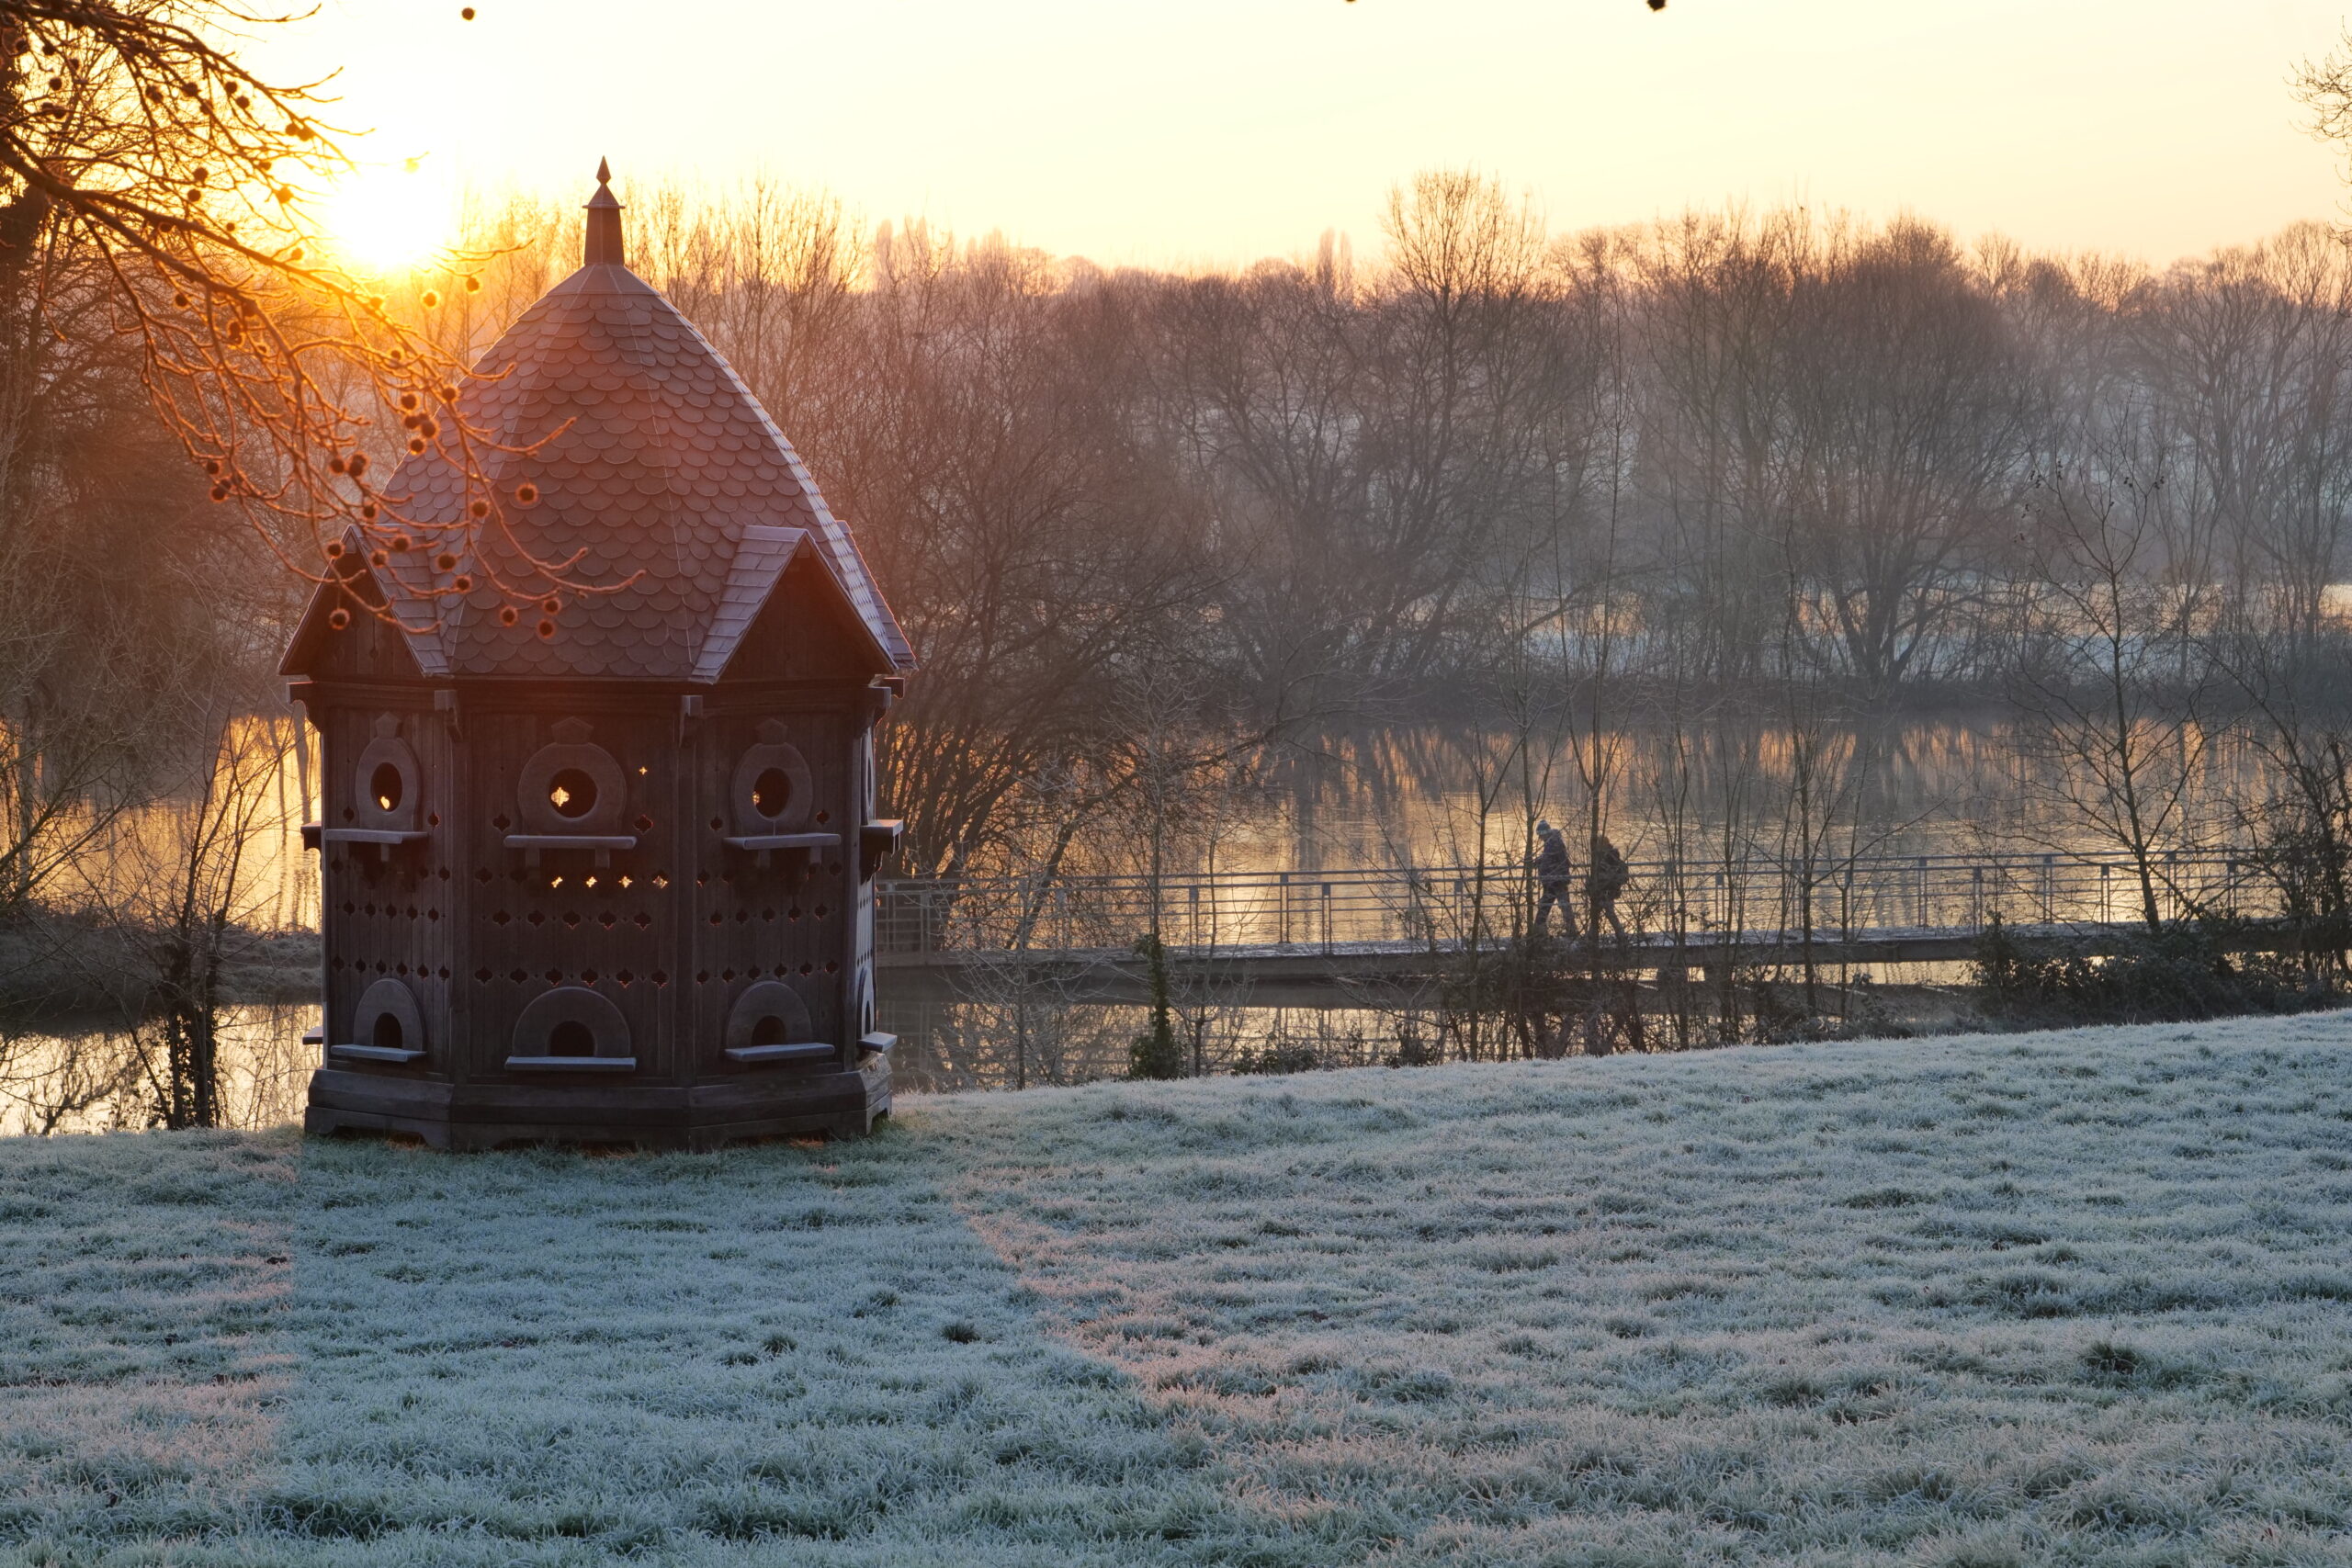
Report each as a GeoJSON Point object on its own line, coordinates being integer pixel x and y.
{"type": "Point", "coordinates": [2058, 1298]}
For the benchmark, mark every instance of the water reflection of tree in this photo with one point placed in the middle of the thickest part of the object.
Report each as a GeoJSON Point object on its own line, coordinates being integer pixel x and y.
{"type": "Point", "coordinates": [182, 894]}
{"type": "Point", "coordinates": [86, 1077]}
{"type": "Point", "coordinates": [57, 1084]}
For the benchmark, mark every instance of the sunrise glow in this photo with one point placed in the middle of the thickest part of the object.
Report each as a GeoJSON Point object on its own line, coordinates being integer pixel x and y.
{"type": "Point", "coordinates": [387, 219]}
{"type": "Point", "coordinates": [1223, 130]}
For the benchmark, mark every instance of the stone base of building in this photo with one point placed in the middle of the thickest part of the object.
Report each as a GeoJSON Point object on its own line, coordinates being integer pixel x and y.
{"type": "Point", "coordinates": [841, 1105]}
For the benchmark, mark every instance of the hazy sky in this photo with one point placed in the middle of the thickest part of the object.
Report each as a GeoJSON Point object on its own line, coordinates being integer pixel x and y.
{"type": "Point", "coordinates": [1218, 130]}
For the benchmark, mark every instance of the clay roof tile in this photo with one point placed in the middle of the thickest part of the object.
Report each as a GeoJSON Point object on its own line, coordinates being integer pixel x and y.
{"type": "Point", "coordinates": [653, 462]}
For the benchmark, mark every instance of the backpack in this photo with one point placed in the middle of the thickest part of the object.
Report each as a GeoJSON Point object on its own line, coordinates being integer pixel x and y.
{"type": "Point", "coordinates": [1609, 872]}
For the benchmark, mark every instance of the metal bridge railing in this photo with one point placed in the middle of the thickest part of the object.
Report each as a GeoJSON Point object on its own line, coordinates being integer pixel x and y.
{"type": "Point", "coordinates": [1449, 906]}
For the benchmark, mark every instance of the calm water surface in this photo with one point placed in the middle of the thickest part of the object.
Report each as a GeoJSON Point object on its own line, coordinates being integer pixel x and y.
{"type": "Point", "coordinates": [1426, 796]}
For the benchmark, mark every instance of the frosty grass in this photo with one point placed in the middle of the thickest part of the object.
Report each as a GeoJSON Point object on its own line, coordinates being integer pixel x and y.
{"type": "Point", "coordinates": [2070, 1297]}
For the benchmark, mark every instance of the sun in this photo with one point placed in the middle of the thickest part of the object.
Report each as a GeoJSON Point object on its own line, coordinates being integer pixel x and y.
{"type": "Point", "coordinates": [389, 218]}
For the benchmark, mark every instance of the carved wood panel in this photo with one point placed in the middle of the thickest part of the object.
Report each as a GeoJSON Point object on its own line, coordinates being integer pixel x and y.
{"type": "Point", "coordinates": [568, 920]}
{"type": "Point", "coordinates": [787, 919]}
{"type": "Point", "coordinates": [387, 910]}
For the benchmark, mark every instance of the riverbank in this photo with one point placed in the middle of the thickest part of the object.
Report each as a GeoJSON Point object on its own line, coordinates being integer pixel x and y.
{"type": "Point", "coordinates": [2059, 1298]}
{"type": "Point", "coordinates": [60, 972]}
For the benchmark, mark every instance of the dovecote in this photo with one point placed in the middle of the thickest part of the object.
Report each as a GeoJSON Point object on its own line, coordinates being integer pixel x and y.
{"type": "Point", "coordinates": [600, 870]}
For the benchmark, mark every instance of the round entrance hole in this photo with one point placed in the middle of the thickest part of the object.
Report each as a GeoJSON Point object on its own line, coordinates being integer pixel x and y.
{"type": "Point", "coordinates": [573, 794]}
{"type": "Point", "coordinates": [771, 1030]}
{"type": "Point", "coordinates": [386, 1034]}
{"type": "Point", "coordinates": [771, 794]}
{"type": "Point", "coordinates": [386, 784]}
{"type": "Point", "coordinates": [571, 1038]}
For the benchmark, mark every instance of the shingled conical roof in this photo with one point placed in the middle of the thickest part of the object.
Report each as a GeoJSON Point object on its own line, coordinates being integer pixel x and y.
{"type": "Point", "coordinates": [653, 465]}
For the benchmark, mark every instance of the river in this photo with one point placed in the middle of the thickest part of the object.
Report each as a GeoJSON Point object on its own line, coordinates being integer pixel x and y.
{"type": "Point", "coordinates": [1423, 794]}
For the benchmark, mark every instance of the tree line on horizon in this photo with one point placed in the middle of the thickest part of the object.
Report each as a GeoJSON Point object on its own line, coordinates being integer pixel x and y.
{"type": "Point", "coordinates": [1141, 520]}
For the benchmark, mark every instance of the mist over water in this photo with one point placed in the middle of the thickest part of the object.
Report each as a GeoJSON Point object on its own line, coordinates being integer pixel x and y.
{"type": "Point", "coordinates": [1432, 796]}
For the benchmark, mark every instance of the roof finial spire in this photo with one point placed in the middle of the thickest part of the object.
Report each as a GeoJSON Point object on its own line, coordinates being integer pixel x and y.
{"type": "Point", "coordinates": [604, 247]}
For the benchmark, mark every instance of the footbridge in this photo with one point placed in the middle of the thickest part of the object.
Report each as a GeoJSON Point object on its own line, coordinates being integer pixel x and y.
{"type": "Point", "coordinates": [1299, 935]}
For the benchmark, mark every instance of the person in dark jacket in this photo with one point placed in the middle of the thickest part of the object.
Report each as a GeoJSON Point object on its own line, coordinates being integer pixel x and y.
{"type": "Point", "coordinates": [1604, 883]}
{"type": "Point", "coordinates": [1554, 878]}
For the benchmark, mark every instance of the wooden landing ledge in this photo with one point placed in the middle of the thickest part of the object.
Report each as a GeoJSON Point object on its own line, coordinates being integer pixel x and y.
{"type": "Point", "coordinates": [798, 849]}
{"type": "Point", "coordinates": [603, 844]}
{"type": "Point", "coordinates": [762, 1056]}
{"type": "Point", "coordinates": [876, 841]}
{"type": "Point", "coordinates": [572, 1063]}
{"type": "Point", "coordinates": [385, 839]}
{"type": "Point", "coordinates": [373, 1054]}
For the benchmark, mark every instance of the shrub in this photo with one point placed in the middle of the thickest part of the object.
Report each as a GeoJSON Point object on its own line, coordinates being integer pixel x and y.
{"type": "Point", "coordinates": [1412, 1051]}
{"type": "Point", "coordinates": [1156, 1053]}
{"type": "Point", "coordinates": [1282, 1056]}
{"type": "Point", "coordinates": [2182, 972]}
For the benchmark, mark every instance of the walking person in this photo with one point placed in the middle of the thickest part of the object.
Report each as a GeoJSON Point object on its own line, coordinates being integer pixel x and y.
{"type": "Point", "coordinates": [1604, 883]}
{"type": "Point", "coordinates": [1554, 877]}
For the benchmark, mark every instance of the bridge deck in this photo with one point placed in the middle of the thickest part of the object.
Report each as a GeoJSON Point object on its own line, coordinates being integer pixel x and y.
{"type": "Point", "coordinates": [1111, 974]}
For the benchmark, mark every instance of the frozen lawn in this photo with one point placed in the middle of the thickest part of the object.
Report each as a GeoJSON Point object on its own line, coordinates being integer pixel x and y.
{"type": "Point", "coordinates": [2065, 1297]}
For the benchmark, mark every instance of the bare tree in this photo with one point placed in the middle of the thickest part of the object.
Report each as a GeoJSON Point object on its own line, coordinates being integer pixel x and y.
{"type": "Point", "coordinates": [1910, 416]}
{"type": "Point", "coordinates": [2247, 359]}
{"type": "Point", "coordinates": [102, 530]}
{"type": "Point", "coordinates": [2301, 826]}
{"type": "Point", "coordinates": [1375, 448]}
{"type": "Point", "coordinates": [131, 134]}
{"type": "Point", "coordinates": [2119, 735]}
{"type": "Point", "coordinates": [1718, 299]}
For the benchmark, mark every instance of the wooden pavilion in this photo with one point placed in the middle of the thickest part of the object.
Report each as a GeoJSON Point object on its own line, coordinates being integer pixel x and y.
{"type": "Point", "coordinates": [598, 867]}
